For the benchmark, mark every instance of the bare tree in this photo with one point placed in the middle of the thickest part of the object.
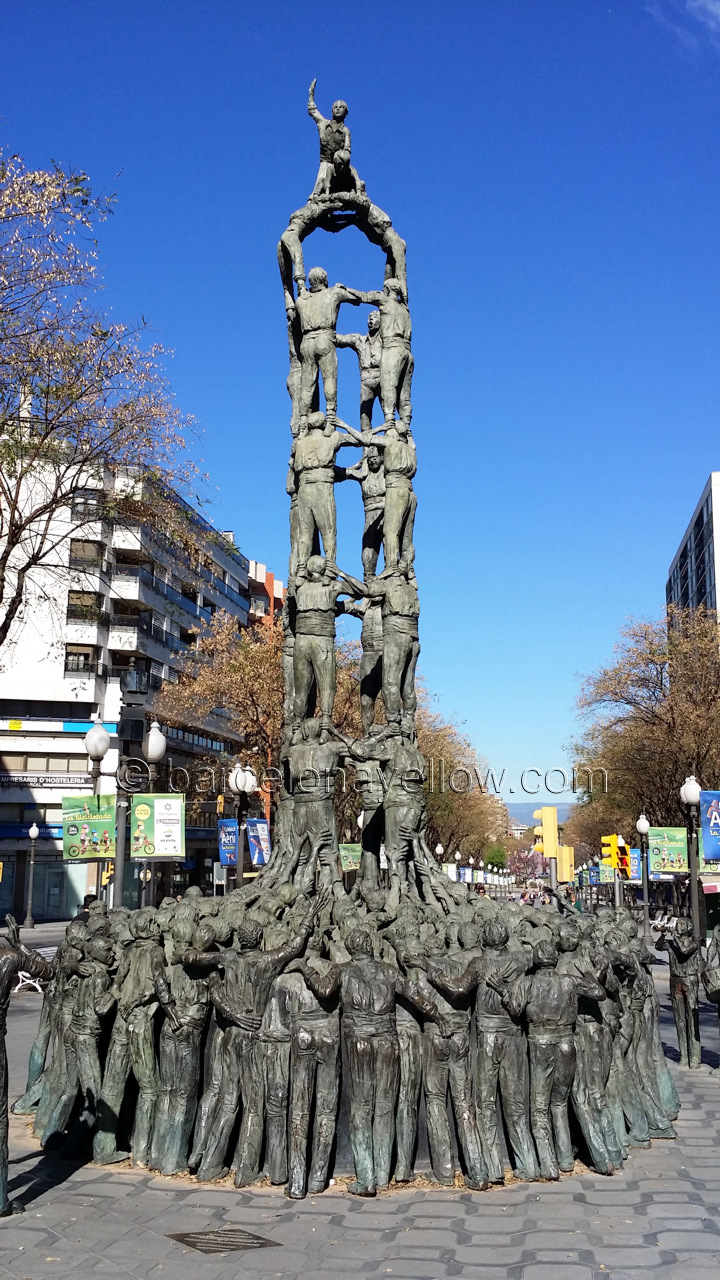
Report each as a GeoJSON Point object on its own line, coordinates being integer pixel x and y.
{"type": "Point", "coordinates": [652, 718]}
{"type": "Point", "coordinates": [81, 399]}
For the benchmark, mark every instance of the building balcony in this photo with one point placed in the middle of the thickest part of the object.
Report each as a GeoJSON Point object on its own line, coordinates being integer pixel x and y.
{"type": "Point", "coordinates": [167, 638]}
{"type": "Point", "coordinates": [125, 574]}
{"type": "Point", "coordinates": [85, 670]}
{"type": "Point", "coordinates": [95, 565]}
{"type": "Point", "coordinates": [90, 616]}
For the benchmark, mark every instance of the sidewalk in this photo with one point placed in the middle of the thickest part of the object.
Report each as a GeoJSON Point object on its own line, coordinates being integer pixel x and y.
{"type": "Point", "coordinates": [657, 1220]}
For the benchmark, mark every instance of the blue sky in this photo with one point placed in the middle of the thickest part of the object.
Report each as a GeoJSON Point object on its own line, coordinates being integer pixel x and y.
{"type": "Point", "coordinates": [554, 167]}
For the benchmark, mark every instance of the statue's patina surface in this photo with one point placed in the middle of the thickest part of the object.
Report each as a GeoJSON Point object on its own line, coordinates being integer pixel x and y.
{"type": "Point", "coordinates": [244, 1019]}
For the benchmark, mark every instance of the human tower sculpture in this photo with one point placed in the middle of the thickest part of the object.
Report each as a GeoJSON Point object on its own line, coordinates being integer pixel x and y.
{"type": "Point", "coordinates": [230, 1013]}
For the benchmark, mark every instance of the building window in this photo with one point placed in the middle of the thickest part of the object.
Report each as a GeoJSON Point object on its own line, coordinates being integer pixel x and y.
{"type": "Point", "coordinates": [80, 658]}
{"type": "Point", "coordinates": [87, 504]}
{"type": "Point", "coordinates": [84, 606]}
{"type": "Point", "coordinates": [12, 764]}
{"type": "Point", "coordinates": [85, 555]}
{"type": "Point", "coordinates": [42, 764]}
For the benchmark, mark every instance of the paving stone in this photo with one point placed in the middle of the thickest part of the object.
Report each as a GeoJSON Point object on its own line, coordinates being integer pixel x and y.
{"type": "Point", "coordinates": [645, 1256]}
{"type": "Point", "coordinates": [562, 1271]}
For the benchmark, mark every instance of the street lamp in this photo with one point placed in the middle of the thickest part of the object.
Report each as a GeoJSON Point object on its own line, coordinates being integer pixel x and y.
{"type": "Point", "coordinates": [33, 833]}
{"type": "Point", "coordinates": [153, 747]}
{"type": "Point", "coordinates": [439, 851]}
{"type": "Point", "coordinates": [642, 826]}
{"type": "Point", "coordinates": [97, 744]}
{"type": "Point", "coordinates": [242, 782]}
{"type": "Point", "coordinates": [690, 797]}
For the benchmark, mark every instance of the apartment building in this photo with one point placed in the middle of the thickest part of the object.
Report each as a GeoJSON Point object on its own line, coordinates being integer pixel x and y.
{"type": "Point", "coordinates": [101, 631]}
{"type": "Point", "coordinates": [692, 576]}
{"type": "Point", "coordinates": [267, 593]}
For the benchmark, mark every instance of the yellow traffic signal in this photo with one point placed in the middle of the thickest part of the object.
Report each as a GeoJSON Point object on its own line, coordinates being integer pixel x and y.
{"type": "Point", "coordinates": [623, 858]}
{"type": "Point", "coordinates": [610, 851]}
{"type": "Point", "coordinates": [566, 864]}
{"type": "Point", "coordinates": [548, 832]}
{"type": "Point", "coordinates": [108, 872]}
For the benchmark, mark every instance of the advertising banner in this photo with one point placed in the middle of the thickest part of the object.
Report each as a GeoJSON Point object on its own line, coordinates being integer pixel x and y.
{"type": "Point", "coordinates": [710, 824]}
{"type": "Point", "coordinates": [668, 850]}
{"type": "Point", "coordinates": [593, 875]}
{"type": "Point", "coordinates": [707, 867]}
{"type": "Point", "coordinates": [258, 836]}
{"type": "Point", "coordinates": [228, 841]}
{"type": "Point", "coordinates": [607, 874]}
{"type": "Point", "coordinates": [157, 826]}
{"type": "Point", "coordinates": [88, 828]}
{"type": "Point", "coordinates": [635, 876]}
{"type": "Point", "coordinates": [350, 855]}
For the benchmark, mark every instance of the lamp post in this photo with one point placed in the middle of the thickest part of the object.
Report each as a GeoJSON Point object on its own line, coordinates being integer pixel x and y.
{"type": "Point", "coordinates": [242, 782]}
{"type": "Point", "coordinates": [33, 833]}
{"type": "Point", "coordinates": [153, 747]}
{"type": "Point", "coordinates": [642, 826]}
{"type": "Point", "coordinates": [690, 797]}
{"type": "Point", "coordinates": [97, 744]}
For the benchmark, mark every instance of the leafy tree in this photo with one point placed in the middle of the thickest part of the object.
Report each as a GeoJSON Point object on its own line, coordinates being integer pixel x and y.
{"type": "Point", "coordinates": [239, 673]}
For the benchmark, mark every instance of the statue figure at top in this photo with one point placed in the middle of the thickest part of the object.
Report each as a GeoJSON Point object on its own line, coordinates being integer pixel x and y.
{"type": "Point", "coordinates": [336, 172]}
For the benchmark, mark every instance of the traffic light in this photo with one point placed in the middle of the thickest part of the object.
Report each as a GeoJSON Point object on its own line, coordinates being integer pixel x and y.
{"type": "Point", "coordinates": [107, 873]}
{"type": "Point", "coordinates": [547, 845]}
{"type": "Point", "coordinates": [610, 851]}
{"type": "Point", "coordinates": [566, 864]}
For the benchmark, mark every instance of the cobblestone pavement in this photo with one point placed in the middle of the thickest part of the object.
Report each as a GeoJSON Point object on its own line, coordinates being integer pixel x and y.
{"type": "Point", "coordinates": [658, 1218]}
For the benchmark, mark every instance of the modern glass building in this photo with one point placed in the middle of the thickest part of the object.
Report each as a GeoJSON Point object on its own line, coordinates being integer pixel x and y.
{"type": "Point", "coordinates": [692, 576]}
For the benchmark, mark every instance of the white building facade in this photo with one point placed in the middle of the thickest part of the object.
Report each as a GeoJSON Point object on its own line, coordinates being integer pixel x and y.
{"type": "Point", "coordinates": [101, 630]}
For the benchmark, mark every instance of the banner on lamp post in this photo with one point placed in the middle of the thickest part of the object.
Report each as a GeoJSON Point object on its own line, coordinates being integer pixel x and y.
{"type": "Point", "coordinates": [88, 828]}
{"type": "Point", "coordinates": [157, 826]}
{"type": "Point", "coordinates": [350, 855]}
{"type": "Point", "coordinates": [228, 841]}
{"type": "Point", "coordinates": [709, 845]}
{"type": "Point", "coordinates": [258, 838]}
{"type": "Point", "coordinates": [668, 851]}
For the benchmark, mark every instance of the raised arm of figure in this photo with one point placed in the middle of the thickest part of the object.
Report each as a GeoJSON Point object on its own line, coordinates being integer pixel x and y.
{"type": "Point", "coordinates": [312, 109]}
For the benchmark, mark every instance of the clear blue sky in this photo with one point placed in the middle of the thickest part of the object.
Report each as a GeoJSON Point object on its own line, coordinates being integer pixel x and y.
{"type": "Point", "coordinates": [554, 167]}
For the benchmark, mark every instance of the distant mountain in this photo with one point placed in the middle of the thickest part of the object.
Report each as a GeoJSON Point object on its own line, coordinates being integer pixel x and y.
{"type": "Point", "coordinates": [523, 812]}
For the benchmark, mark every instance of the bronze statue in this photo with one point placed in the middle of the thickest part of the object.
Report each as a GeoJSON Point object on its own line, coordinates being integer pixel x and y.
{"type": "Point", "coordinates": [335, 172]}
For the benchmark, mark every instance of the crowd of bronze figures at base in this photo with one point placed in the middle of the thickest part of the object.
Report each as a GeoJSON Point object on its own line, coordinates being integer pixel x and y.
{"type": "Point", "coordinates": [229, 1015]}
